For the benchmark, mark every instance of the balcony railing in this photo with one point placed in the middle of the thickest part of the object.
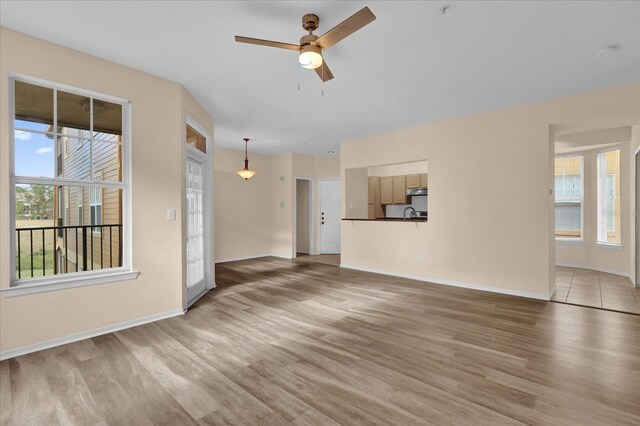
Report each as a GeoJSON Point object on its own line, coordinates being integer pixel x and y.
{"type": "Point", "coordinates": [87, 243]}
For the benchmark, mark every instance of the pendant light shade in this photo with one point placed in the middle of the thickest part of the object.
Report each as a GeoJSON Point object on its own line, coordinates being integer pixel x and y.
{"type": "Point", "coordinates": [246, 173]}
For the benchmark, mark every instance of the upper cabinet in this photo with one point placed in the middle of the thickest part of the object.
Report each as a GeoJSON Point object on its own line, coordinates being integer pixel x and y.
{"type": "Point", "coordinates": [424, 180]}
{"type": "Point", "coordinates": [374, 205]}
{"type": "Point", "coordinates": [413, 181]}
{"type": "Point", "coordinates": [386, 190]}
{"type": "Point", "coordinates": [399, 190]}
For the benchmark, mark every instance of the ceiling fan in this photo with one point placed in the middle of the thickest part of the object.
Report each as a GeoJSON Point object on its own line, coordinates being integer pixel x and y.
{"type": "Point", "coordinates": [311, 46]}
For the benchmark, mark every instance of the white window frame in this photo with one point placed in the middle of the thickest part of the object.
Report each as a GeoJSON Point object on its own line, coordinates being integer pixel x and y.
{"type": "Point", "coordinates": [80, 204]}
{"type": "Point", "coordinates": [95, 200]}
{"type": "Point", "coordinates": [66, 194]}
{"type": "Point", "coordinates": [569, 239]}
{"type": "Point", "coordinates": [601, 198]}
{"type": "Point", "coordinates": [125, 272]}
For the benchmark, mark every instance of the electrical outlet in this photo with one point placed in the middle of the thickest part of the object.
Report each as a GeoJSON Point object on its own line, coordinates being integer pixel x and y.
{"type": "Point", "coordinates": [253, 243]}
{"type": "Point", "coordinates": [171, 215]}
{"type": "Point", "coordinates": [422, 257]}
{"type": "Point", "coordinates": [282, 204]}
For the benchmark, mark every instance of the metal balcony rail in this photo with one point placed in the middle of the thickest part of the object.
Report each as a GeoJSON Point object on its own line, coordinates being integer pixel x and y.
{"type": "Point", "coordinates": [83, 235]}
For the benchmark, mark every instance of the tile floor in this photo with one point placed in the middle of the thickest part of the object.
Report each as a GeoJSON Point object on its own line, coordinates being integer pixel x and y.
{"type": "Point", "coordinates": [597, 289]}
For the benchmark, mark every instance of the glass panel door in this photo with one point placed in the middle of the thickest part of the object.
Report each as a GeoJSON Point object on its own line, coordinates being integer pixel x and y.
{"type": "Point", "coordinates": [195, 227]}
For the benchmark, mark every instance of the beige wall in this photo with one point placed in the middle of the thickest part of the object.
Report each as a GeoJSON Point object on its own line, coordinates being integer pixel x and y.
{"type": "Point", "coordinates": [158, 108]}
{"type": "Point", "coordinates": [265, 213]}
{"type": "Point", "coordinates": [242, 208]}
{"type": "Point", "coordinates": [589, 254]}
{"type": "Point", "coordinates": [413, 168]}
{"type": "Point", "coordinates": [490, 207]}
{"type": "Point", "coordinates": [356, 193]}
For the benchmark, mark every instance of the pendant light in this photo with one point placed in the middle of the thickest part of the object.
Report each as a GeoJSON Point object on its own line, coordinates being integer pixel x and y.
{"type": "Point", "coordinates": [246, 173]}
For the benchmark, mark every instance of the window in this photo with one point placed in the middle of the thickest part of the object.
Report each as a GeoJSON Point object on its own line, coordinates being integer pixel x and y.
{"type": "Point", "coordinates": [96, 206]}
{"type": "Point", "coordinates": [569, 196]}
{"type": "Point", "coordinates": [80, 198]}
{"type": "Point", "coordinates": [609, 197]}
{"type": "Point", "coordinates": [65, 142]}
{"type": "Point", "coordinates": [66, 206]}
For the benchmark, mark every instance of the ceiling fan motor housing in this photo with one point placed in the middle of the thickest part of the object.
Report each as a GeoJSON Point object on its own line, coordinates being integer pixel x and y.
{"type": "Point", "coordinates": [310, 22]}
{"type": "Point", "coordinates": [309, 39]}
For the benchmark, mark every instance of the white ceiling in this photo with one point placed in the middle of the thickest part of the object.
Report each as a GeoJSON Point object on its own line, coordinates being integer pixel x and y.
{"type": "Point", "coordinates": [410, 66]}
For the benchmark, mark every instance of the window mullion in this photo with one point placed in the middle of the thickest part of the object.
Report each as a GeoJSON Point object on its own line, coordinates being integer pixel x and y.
{"type": "Point", "coordinates": [91, 138]}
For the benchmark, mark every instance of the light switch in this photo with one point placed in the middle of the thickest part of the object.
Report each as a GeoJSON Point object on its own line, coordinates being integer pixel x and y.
{"type": "Point", "coordinates": [281, 204]}
{"type": "Point", "coordinates": [171, 215]}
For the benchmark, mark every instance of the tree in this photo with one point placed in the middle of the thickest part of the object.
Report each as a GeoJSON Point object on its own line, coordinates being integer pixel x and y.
{"type": "Point", "coordinates": [38, 197]}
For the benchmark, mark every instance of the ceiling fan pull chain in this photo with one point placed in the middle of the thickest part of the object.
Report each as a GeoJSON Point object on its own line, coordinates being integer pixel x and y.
{"type": "Point", "coordinates": [322, 86]}
{"type": "Point", "coordinates": [298, 77]}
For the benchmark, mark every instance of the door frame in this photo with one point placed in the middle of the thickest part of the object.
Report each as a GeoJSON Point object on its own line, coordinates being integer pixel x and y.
{"type": "Point", "coordinates": [636, 211]}
{"type": "Point", "coordinates": [340, 212]}
{"type": "Point", "coordinates": [312, 243]}
{"type": "Point", "coordinates": [191, 152]}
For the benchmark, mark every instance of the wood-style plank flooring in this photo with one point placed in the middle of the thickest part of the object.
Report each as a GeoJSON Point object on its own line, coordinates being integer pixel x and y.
{"type": "Point", "coordinates": [284, 342]}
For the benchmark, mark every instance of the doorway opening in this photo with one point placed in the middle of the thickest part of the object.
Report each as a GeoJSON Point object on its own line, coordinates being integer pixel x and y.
{"type": "Point", "coordinates": [303, 240]}
{"type": "Point", "coordinates": [329, 216]}
{"type": "Point", "coordinates": [595, 199]}
{"type": "Point", "coordinates": [197, 213]}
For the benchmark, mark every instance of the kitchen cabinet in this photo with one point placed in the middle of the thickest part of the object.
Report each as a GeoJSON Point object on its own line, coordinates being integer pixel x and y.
{"type": "Point", "coordinates": [413, 181]}
{"type": "Point", "coordinates": [374, 204]}
{"type": "Point", "coordinates": [386, 190]}
{"type": "Point", "coordinates": [424, 180]}
{"type": "Point", "coordinates": [372, 190]}
{"type": "Point", "coordinates": [399, 189]}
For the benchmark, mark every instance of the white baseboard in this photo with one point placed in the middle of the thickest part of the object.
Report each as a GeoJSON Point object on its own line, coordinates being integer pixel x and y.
{"type": "Point", "coordinates": [235, 259]}
{"type": "Point", "coordinates": [481, 287]}
{"type": "Point", "coordinates": [11, 353]}
{"type": "Point", "coordinates": [593, 268]}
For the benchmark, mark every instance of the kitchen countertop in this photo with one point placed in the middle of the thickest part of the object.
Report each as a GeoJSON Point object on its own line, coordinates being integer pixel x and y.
{"type": "Point", "coordinates": [389, 219]}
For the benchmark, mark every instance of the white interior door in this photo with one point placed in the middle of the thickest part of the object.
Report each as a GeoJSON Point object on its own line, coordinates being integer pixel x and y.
{"type": "Point", "coordinates": [195, 216]}
{"type": "Point", "coordinates": [329, 216]}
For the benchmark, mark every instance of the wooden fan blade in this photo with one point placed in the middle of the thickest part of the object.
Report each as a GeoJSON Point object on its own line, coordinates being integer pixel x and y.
{"type": "Point", "coordinates": [346, 27]}
{"type": "Point", "coordinates": [324, 72]}
{"type": "Point", "coordinates": [269, 43]}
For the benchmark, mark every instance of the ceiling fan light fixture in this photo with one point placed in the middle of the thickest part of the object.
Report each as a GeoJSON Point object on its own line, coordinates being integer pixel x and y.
{"type": "Point", "coordinates": [310, 57]}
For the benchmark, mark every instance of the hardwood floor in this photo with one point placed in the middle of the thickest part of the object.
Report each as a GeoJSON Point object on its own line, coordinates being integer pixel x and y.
{"type": "Point", "coordinates": [327, 259]}
{"type": "Point", "coordinates": [285, 342]}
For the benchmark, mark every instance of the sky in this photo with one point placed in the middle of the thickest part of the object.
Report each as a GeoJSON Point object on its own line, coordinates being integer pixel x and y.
{"type": "Point", "coordinates": [35, 153]}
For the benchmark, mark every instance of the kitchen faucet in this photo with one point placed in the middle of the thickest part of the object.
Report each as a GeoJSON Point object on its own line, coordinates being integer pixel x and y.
{"type": "Point", "coordinates": [412, 214]}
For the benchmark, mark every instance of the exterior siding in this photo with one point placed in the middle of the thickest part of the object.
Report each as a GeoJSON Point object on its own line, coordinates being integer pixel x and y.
{"type": "Point", "coordinates": [103, 247]}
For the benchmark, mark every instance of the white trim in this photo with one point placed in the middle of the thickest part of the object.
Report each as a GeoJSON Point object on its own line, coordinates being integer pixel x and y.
{"type": "Point", "coordinates": [609, 246]}
{"type": "Point", "coordinates": [570, 242]}
{"type": "Point", "coordinates": [66, 281]}
{"type": "Point", "coordinates": [312, 221]}
{"type": "Point", "coordinates": [552, 291]}
{"type": "Point", "coordinates": [235, 259]}
{"type": "Point", "coordinates": [199, 296]}
{"type": "Point", "coordinates": [125, 185]}
{"type": "Point", "coordinates": [452, 283]}
{"type": "Point", "coordinates": [70, 89]}
{"type": "Point", "coordinates": [12, 353]}
{"type": "Point", "coordinates": [593, 268]}
{"type": "Point", "coordinates": [206, 158]}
